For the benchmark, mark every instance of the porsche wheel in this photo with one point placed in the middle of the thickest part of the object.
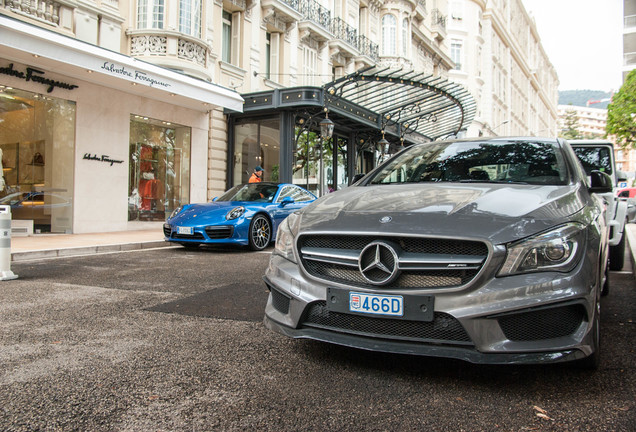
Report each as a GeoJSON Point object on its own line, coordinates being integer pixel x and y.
{"type": "Point", "coordinates": [260, 233]}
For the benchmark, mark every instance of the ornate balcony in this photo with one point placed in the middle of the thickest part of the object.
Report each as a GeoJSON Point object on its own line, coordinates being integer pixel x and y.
{"type": "Point", "coordinates": [172, 50]}
{"type": "Point", "coordinates": [368, 48]}
{"type": "Point", "coordinates": [345, 43]}
{"type": "Point", "coordinates": [47, 11]}
{"type": "Point", "coordinates": [438, 25]}
{"type": "Point", "coordinates": [282, 10]}
{"type": "Point", "coordinates": [316, 21]}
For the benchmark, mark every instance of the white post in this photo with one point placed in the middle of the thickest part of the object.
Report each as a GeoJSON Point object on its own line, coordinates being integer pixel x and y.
{"type": "Point", "coordinates": [5, 244]}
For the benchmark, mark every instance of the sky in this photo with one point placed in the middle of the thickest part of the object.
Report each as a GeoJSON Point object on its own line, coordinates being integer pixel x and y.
{"type": "Point", "coordinates": [583, 39]}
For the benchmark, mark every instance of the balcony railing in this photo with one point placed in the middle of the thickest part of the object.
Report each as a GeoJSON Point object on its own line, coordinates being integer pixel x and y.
{"type": "Point", "coordinates": [295, 4]}
{"type": "Point", "coordinates": [42, 10]}
{"type": "Point", "coordinates": [343, 31]}
{"type": "Point", "coordinates": [437, 18]}
{"type": "Point", "coordinates": [630, 21]}
{"type": "Point", "coordinates": [368, 48]}
{"type": "Point", "coordinates": [314, 12]}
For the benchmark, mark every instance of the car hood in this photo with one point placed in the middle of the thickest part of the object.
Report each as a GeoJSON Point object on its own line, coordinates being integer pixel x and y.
{"type": "Point", "coordinates": [493, 212]}
{"type": "Point", "coordinates": [206, 213]}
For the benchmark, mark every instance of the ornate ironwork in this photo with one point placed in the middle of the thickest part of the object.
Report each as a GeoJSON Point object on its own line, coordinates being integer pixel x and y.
{"type": "Point", "coordinates": [343, 31]}
{"type": "Point", "coordinates": [314, 12]}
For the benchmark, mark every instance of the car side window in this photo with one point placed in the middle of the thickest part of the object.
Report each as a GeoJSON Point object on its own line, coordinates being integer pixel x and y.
{"type": "Point", "coordinates": [296, 193]}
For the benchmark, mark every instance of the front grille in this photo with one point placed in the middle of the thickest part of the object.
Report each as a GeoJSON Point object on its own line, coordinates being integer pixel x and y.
{"type": "Point", "coordinates": [542, 324]}
{"type": "Point", "coordinates": [447, 254]}
{"type": "Point", "coordinates": [219, 232]}
{"type": "Point", "coordinates": [167, 231]}
{"type": "Point", "coordinates": [195, 236]}
{"type": "Point", "coordinates": [443, 329]}
{"type": "Point", "coordinates": [280, 302]}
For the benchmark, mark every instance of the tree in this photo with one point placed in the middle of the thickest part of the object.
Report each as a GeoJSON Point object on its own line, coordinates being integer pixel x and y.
{"type": "Point", "coordinates": [621, 113]}
{"type": "Point", "coordinates": [571, 126]}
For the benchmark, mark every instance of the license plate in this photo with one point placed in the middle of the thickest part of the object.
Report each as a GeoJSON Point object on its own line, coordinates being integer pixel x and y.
{"type": "Point", "coordinates": [376, 304]}
{"type": "Point", "coordinates": [184, 230]}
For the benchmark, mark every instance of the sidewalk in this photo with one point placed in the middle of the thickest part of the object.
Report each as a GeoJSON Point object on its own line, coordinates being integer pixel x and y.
{"type": "Point", "coordinates": [58, 245]}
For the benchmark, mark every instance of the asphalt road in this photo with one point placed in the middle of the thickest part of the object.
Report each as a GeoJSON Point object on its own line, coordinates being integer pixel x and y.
{"type": "Point", "coordinates": [172, 340]}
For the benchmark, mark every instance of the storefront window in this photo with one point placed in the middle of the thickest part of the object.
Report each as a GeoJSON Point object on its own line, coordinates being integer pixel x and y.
{"type": "Point", "coordinates": [37, 145]}
{"type": "Point", "coordinates": [256, 143]}
{"type": "Point", "coordinates": [159, 177]}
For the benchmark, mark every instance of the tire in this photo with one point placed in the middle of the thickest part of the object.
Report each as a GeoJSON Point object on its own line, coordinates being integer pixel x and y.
{"type": "Point", "coordinates": [617, 255]}
{"type": "Point", "coordinates": [260, 233]}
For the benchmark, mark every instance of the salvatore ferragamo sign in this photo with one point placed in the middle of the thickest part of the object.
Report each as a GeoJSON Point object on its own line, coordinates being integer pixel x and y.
{"type": "Point", "coordinates": [35, 75]}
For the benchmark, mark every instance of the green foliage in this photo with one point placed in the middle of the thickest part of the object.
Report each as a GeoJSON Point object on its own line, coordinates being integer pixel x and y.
{"type": "Point", "coordinates": [571, 126]}
{"type": "Point", "coordinates": [621, 113]}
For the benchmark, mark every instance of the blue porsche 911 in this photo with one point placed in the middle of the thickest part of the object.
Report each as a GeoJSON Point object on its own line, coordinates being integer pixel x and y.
{"type": "Point", "coordinates": [247, 214]}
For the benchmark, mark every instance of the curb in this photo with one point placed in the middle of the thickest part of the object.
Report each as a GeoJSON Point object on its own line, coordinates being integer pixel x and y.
{"type": "Point", "coordinates": [86, 250]}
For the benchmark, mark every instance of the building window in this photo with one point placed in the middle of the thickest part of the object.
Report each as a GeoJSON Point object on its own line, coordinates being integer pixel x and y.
{"type": "Point", "coordinates": [150, 14]}
{"type": "Point", "coordinates": [457, 12]}
{"type": "Point", "coordinates": [226, 55]}
{"type": "Point", "coordinates": [37, 154]}
{"type": "Point", "coordinates": [310, 65]}
{"type": "Point", "coordinates": [405, 36]}
{"type": "Point", "coordinates": [389, 29]}
{"type": "Point", "coordinates": [190, 17]}
{"type": "Point", "coordinates": [456, 53]}
{"type": "Point", "coordinates": [268, 53]}
{"type": "Point", "coordinates": [159, 168]}
{"type": "Point", "coordinates": [231, 35]}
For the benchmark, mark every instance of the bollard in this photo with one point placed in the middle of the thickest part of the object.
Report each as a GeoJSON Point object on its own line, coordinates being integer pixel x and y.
{"type": "Point", "coordinates": [5, 244]}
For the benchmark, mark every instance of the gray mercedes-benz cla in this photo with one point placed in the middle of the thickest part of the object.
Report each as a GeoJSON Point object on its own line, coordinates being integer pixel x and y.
{"type": "Point", "coordinates": [489, 250]}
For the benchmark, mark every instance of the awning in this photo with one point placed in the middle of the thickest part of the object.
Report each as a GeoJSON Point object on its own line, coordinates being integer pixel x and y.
{"type": "Point", "coordinates": [47, 50]}
{"type": "Point", "coordinates": [405, 103]}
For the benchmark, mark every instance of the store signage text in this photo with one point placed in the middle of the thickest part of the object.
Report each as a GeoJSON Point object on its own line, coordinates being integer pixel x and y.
{"type": "Point", "coordinates": [36, 76]}
{"type": "Point", "coordinates": [136, 75]}
{"type": "Point", "coordinates": [103, 158]}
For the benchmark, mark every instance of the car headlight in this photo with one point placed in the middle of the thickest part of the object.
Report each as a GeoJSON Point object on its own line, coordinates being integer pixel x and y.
{"type": "Point", "coordinates": [558, 250]}
{"type": "Point", "coordinates": [175, 212]}
{"type": "Point", "coordinates": [235, 213]}
{"type": "Point", "coordinates": [285, 235]}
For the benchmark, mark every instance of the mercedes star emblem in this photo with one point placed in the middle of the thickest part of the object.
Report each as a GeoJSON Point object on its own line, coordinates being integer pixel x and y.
{"type": "Point", "coordinates": [378, 263]}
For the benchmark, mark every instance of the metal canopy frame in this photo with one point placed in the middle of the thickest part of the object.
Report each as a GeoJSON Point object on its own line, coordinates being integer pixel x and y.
{"type": "Point", "coordinates": [405, 102]}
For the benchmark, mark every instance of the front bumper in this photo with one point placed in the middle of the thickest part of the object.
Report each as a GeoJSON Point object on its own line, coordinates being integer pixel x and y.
{"type": "Point", "coordinates": [506, 320]}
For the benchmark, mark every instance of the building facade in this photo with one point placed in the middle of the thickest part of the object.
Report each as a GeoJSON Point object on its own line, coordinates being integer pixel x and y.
{"type": "Point", "coordinates": [629, 36]}
{"type": "Point", "coordinates": [163, 102]}
{"type": "Point", "coordinates": [498, 56]}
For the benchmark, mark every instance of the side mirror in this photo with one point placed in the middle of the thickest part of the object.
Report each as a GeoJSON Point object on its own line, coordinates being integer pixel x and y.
{"type": "Point", "coordinates": [357, 178]}
{"type": "Point", "coordinates": [287, 200]}
{"type": "Point", "coordinates": [601, 182]}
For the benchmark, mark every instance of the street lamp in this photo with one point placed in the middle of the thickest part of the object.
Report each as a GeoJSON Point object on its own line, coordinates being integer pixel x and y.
{"type": "Point", "coordinates": [326, 126]}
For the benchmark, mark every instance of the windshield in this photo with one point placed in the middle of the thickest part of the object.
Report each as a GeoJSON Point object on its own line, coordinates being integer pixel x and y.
{"type": "Point", "coordinates": [257, 192]}
{"type": "Point", "coordinates": [594, 158]}
{"type": "Point", "coordinates": [474, 161]}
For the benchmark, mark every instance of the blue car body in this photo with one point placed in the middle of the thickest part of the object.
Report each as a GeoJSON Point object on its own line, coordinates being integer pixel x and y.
{"type": "Point", "coordinates": [231, 218]}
